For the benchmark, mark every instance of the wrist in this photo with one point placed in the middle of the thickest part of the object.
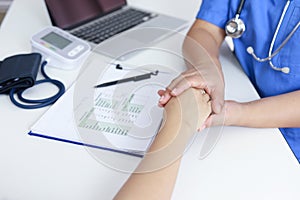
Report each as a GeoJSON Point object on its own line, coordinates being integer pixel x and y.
{"type": "Point", "coordinates": [190, 109]}
{"type": "Point", "coordinates": [234, 113]}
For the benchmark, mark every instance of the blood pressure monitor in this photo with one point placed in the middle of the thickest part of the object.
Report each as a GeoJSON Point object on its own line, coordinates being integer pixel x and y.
{"type": "Point", "coordinates": [59, 48]}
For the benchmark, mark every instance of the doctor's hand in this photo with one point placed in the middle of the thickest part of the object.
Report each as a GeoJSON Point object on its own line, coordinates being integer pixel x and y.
{"type": "Point", "coordinates": [229, 116]}
{"type": "Point", "coordinates": [207, 77]}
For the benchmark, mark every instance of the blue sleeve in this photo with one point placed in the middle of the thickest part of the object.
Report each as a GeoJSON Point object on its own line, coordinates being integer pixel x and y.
{"type": "Point", "coordinates": [216, 12]}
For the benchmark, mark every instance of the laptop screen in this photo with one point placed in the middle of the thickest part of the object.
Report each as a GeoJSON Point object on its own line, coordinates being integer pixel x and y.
{"type": "Point", "coordinates": [70, 13]}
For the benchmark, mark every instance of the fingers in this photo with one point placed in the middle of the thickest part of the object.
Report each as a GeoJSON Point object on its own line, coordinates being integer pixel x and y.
{"type": "Point", "coordinates": [217, 100]}
{"type": "Point", "coordinates": [207, 123]}
{"type": "Point", "coordinates": [220, 119]}
{"type": "Point", "coordinates": [165, 96]}
{"type": "Point", "coordinates": [206, 97]}
{"type": "Point", "coordinates": [212, 83]}
{"type": "Point", "coordinates": [161, 92]}
{"type": "Point", "coordinates": [189, 78]}
{"type": "Point", "coordinates": [201, 128]}
{"type": "Point", "coordinates": [178, 85]}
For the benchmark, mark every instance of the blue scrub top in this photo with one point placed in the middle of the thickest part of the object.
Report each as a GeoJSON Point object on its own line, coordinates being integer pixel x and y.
{"type": "Point", "coordinates": [261, 18]}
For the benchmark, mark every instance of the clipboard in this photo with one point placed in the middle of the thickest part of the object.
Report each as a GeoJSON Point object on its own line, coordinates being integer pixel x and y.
{"type": "Point", "coordinates": [79, 123]}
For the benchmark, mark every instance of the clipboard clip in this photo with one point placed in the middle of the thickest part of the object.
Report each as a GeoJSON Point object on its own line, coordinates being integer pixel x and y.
{"type": "Point", "coordinates": [129, 79]}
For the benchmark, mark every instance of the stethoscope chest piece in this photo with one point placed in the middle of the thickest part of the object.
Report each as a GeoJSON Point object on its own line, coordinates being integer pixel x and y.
{"type": "Point", "coordinates": [235, 27]}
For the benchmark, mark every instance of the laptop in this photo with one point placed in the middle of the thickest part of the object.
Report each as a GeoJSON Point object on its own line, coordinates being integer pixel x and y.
{"type": "Point", "coordinates": [116, 26]}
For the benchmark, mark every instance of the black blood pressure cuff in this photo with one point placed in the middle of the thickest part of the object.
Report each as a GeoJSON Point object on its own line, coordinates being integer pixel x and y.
{"type": "Point", "coordinates": [19, 71]}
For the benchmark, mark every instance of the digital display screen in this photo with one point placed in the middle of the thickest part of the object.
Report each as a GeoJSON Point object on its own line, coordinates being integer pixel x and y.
{"type": "Point", "coordinates": [70, 13]}
{"type": "Point", "coordinates": [56, 40]}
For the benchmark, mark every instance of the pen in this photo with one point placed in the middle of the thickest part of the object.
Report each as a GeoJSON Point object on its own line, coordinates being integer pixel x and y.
{"type": "Point", "coordinates": [133, 78]}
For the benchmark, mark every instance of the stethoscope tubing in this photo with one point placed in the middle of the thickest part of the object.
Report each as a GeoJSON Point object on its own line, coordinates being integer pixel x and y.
{"type": "Point", "coordinates": [271, 54]}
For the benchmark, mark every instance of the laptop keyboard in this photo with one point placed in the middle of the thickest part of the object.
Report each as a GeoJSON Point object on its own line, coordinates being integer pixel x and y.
{"type": "Point", "coordinates": [104, 28]}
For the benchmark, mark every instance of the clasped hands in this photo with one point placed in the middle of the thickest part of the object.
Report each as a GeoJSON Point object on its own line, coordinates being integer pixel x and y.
{"type": "Point", "coordinates": [207, 78]}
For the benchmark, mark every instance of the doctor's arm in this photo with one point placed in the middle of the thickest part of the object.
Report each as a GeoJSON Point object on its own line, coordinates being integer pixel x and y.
{"type": "Point", "coordinates": [201, 53]}
{"type": "Point", "coordinates": [272, 112]}
{"type": "Point", "coordinates": [155, 176]}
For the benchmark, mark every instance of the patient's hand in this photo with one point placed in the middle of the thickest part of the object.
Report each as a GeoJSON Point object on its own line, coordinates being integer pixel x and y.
{"type": "Point", "coordinates": [191, 107]}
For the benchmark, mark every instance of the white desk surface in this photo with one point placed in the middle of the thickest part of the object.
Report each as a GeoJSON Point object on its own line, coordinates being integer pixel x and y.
{"type": "Point", "coordinates": [245, 164]}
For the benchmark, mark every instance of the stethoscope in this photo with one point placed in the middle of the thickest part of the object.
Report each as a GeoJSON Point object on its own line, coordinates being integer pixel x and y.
{"type": "Point", "coordinates": [235, 28]}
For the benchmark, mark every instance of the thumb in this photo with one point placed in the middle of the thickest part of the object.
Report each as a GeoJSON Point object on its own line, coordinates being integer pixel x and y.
{"type": "Point", "coordinates": [207, 123]}
{"type": "Point", "coordinates": [217, 101]}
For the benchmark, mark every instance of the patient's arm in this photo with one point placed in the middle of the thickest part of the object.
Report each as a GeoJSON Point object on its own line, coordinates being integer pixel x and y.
{"type": "Point", "coordinates": [156, 175]}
